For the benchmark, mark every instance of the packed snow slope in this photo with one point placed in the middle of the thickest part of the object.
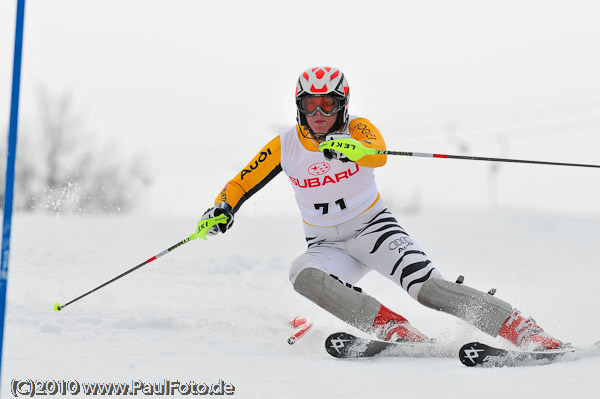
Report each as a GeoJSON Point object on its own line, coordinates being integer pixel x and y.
{"type": "Point", "coordinates": [219, 309]}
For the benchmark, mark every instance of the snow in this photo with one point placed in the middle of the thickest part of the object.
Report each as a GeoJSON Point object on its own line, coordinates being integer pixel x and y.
{"type": "Point", "coordinates": [220, 309]}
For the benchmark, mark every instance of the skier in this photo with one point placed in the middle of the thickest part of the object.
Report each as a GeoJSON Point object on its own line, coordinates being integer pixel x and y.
{"type": "Point", "coordinates": [349, 230]}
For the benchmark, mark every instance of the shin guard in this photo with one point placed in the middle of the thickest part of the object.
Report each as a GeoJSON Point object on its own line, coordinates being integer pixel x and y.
{"type": "Point", "coordinates": [482, 310]}
{"type": "Point", "coordinates": [347, 303]}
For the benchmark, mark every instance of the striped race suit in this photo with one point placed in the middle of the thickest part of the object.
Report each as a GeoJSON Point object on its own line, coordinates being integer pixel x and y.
{"type": "Point", "coordinates": [348, 229]}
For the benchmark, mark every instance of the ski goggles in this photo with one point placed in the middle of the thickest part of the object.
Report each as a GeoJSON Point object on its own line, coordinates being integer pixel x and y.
{"type": "Point", "coordinates": [327, 105]}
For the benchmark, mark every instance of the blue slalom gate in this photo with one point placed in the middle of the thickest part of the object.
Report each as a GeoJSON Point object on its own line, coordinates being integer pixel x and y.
{"type": "Point", "coordinates": [10, 166]}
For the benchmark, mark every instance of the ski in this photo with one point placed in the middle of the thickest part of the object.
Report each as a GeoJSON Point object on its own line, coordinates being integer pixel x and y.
{"type": "Point", "coordinates": [478, 354]}
{"type": "Point", "coordinates": [343, 345]}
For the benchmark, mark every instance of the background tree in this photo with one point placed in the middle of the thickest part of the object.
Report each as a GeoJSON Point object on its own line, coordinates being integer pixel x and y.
{"type": "Point", "coordinates": [62, 168]}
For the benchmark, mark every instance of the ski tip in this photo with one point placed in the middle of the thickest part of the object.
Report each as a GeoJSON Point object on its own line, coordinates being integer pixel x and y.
{"type": "Point", "coordinates": [337, 344]}
{"type": "Point", "coordinates": [473, 353]}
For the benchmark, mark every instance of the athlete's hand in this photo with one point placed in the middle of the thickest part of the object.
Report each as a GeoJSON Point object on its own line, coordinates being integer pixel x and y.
{"type": "Point", "coordinates": [344, 148]}
{"type": "Point", "coordinates": [333, 154]}
{"type": "Point", "coordinates": [217, 219]}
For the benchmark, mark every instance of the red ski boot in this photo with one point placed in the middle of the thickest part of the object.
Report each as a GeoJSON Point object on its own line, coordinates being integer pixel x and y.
{"type": "Point", "coordinates": [390, 326]}
{"type": "Point", "coordinates": [526, 334]}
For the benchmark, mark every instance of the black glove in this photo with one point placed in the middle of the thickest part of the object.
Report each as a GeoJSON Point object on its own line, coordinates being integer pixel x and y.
{"type": "Point", "coordinates": [222, 208]}
{"type": "Point", "coordinates": [333, 154]}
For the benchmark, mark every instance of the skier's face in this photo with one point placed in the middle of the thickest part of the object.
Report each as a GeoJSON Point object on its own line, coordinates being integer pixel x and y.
{"type": "Point", "coordinates": [321, 124]}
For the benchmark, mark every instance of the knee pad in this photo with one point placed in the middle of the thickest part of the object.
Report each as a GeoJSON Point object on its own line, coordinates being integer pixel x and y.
{"type": "Point", "coordinates": [343, 301]}
{"type": "Point", "coordinates": [482, 310]}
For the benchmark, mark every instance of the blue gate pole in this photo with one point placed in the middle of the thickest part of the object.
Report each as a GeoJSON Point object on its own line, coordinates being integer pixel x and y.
{"type": "Point", "coordinates": [10, 166]}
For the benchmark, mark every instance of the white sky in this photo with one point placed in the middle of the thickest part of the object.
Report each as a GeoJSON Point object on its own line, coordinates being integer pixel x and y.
{"type": "Point", "coordinates": [200, 86]}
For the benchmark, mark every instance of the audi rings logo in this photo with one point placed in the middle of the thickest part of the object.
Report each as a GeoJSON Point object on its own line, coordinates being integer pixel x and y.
{"type": "Point", "coordinates": [319, 168]}
{"type": "Point", "coordinates": [399, 242]}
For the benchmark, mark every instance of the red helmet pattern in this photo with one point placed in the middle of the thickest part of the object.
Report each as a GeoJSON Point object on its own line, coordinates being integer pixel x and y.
{"type": "Point", "coordinates": [322, 81]}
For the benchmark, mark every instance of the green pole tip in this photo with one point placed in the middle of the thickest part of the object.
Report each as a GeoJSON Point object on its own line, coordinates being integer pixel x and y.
{"type": "Point", "coordinates": [57, 307]}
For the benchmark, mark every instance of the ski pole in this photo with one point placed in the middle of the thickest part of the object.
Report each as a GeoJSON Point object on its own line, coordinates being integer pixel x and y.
{"type": "Point", "coordinates": [354, 150]}
{"type": "Point", "coordinates": [427, 155]}
{"type": "Point", "coordinates": [201, 230]}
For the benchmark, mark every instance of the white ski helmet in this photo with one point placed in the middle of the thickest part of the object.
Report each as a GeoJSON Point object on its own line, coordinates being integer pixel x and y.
{"type": "Point", "coordinates": [323, 82]}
